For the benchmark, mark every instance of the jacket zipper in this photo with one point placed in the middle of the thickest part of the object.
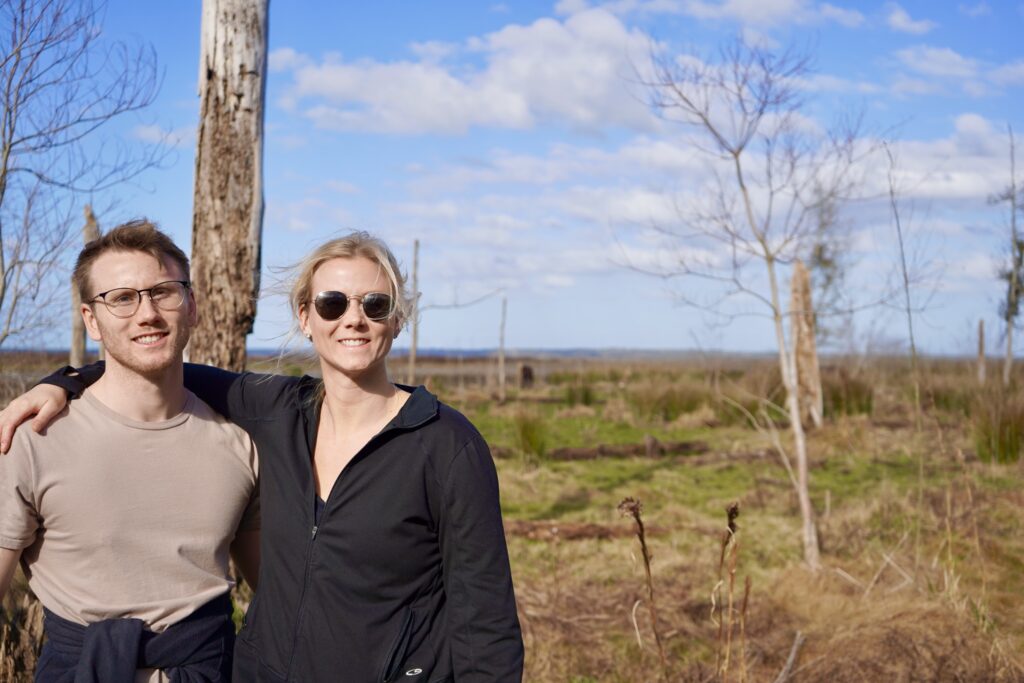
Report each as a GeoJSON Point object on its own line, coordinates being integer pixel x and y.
{"type": "Point", "coordinates": [312, 540]}
{"type": "Point", "coordinates": [302, 600]}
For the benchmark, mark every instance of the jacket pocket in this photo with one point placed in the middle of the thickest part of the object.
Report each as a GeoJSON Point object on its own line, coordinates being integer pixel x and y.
{"type": "Point", "coordinates": [396, 653]}
{"type": "Point", "coordinates": [250, 615]}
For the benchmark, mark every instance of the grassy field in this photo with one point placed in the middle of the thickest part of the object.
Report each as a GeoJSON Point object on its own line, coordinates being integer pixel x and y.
{"type": "Point", "coordinates": [920, 529]}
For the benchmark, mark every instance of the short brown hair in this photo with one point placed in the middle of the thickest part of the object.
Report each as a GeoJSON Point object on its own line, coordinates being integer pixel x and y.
{"type": "Point", "coordinates": [135, 235]}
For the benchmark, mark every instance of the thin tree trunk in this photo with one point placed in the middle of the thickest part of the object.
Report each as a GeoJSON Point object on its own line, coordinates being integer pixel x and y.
{"type": "Point", "coordinates": [90, 232]}
{"type": "Point", "coordinates": [908, 308]}
{"type": "Point", "coordinates": [415, 322]}
{"type": "Point", "coordinates": [227, 217]}
{"type": "Point", "coordinates": [501, 350]}
{"type": "Point", "coordinates": [1015, 265]}
{"type": "Point", "coordinates": [809, 533]}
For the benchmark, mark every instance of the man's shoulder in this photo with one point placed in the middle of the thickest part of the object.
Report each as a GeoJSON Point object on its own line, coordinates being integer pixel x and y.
{"type": "Point", "coordinates": [208, 418]}
{"type": "Point", "coordinates": [208, 427]}
{"type": "Point", "coordinates": [65, 424]}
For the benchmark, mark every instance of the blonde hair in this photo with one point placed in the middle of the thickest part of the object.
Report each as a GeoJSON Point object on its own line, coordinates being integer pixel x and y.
{"type": "Point", "coordinates": [353, 245]}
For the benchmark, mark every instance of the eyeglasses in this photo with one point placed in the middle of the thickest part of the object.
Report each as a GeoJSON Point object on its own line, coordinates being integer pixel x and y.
{"type": "Point", "coordinates": [123, 302]}
{"type": "Point", "coordinates": [332, 305]}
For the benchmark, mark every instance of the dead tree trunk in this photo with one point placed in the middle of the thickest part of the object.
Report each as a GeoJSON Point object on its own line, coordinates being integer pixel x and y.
{"type": "Point", "coordinates": [787, 367]}
{"type": "Point", "coordinates": [415, 321]}
{"type": "Point", "coordinates": [227, 218]}
{"type": "Point", "coordinates": [90, 232]}
{"type": "Point", "coordinates": [805, 347]}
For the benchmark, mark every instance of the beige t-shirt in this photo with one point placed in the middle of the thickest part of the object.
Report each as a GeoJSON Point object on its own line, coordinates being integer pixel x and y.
{"type": "Point", "coordinates": [119, 518]}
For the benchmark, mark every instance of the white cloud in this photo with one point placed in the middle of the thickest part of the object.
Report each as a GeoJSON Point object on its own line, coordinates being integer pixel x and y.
{"type": "Point", "coordinates": [574, 72]}
{"type": "Point", "coordinates": [906, 86]}
{"type": "Point", "coordinates": [938, 61]}
{"type": "Point", "coordinates": [1009, 74]}
{"type": "Point", "coordinates": [758, 12]}
{"type": "Point", "coordinates": [899, 20]}
{"type": "Point", "coordinates": [976, 10]}
{"type": "Point", "coordinates": [285, 58]}
{"type": "Point", "coordinates": [764, 13]}
{"type": "Point", "coordinates": [981, 267]}
{"type": "Point", "coordinates": [156, 134]}
{"type": "Point", "coordinates": [967, 165]}
{"type": "Point", "coordinates": [756, 38]}
{"type": "Point", "coordinates": [342, 187]}
{"type": "Point", "coordinates": [433, 51]}
{"type": "Point", "coordinates": [831, 83]}
{"type": "Point", "coordinates": [849, 18]}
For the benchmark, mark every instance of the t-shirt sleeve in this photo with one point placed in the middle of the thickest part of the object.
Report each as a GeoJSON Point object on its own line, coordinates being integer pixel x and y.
{"type": "Point", "coordinates": [251, 516]}
{"type": "Point", "coordinates": [19, 517]}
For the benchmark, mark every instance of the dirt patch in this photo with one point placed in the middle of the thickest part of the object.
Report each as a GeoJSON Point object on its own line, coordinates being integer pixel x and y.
{"type": "Point", "coordinates": [650, 448]}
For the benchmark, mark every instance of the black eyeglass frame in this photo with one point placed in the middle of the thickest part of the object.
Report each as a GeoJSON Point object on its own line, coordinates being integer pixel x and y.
{"type": "Point", "coordinates": [319, 302]}
{"type": "Point", "coordinates": [119, 312]}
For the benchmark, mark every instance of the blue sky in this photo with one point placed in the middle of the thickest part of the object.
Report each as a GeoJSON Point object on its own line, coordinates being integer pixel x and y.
{"type": "Point", "coordinates": [513, 140]}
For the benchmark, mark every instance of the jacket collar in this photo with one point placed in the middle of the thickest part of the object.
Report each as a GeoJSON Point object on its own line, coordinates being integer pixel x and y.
{"type": "Point", "coordinates": [421, 407]}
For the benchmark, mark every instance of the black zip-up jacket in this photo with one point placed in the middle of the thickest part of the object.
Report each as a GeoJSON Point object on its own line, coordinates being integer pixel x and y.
{"type": "Point", "coordinates": [405, 578]}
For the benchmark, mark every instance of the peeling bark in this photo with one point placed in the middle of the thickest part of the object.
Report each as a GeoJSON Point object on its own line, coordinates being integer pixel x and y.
{"type": "Point", "coordinates": [227, 219]}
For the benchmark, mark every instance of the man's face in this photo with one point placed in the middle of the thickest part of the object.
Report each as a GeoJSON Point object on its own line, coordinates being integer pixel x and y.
{"type": "Point", "coordinates": [153, 339]}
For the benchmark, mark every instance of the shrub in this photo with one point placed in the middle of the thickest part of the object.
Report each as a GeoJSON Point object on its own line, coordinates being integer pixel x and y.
{"type": "Point", "coordinates": [531, 434]}
{"type": "Point", "coordinates": [728, 413]}
{"type": "Point", "coordinates": [580, 394]}
{"type": "Point", "coordinates": [997, 423]}
{"type": "Point", "coordinates": [957, 398]}
{"type": "Point", "coordinates": [653, 402]}
{"type": "Point", "coordinates": [846, 395]}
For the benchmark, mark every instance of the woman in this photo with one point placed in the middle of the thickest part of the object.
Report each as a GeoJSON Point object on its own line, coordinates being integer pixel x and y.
{"type": "Point", "coordinates": [383, 554]}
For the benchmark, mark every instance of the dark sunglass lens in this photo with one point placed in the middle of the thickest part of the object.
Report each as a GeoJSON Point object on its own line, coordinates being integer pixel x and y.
{"type": "Point", "coordinates": [331, 305]}
{"type": "Point", "coordinates": [377, 306]}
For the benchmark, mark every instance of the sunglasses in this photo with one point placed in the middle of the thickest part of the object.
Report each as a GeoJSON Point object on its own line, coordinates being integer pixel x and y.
{"type": "Point", "coordinates": [332, 305]}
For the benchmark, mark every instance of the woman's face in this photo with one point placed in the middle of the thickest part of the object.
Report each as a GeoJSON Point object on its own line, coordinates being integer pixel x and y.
{"type": "Point", "coordinates": [353, 344]}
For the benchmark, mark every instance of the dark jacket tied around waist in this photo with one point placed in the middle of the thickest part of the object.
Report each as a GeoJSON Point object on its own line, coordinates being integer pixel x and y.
{"type": "Point", "coordinates": [195, 650]}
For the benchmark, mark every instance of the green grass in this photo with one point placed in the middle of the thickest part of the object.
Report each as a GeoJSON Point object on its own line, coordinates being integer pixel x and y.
{"type": "Point", "coordinates": [576, 431]}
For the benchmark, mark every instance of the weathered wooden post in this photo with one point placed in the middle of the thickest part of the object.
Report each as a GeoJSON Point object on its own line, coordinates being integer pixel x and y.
{"type": "Point", "coordinates": [805, 348]}
{"type": "Point", "coordinates": [76, 359]}
{"type": "Point", "coordinates": [227, 219]}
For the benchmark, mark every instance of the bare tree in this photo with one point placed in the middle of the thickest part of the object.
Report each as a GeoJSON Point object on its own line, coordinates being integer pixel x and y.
{"type": "Point", "coordinates": [227, 219]}
{"type": "Point", "coordinates": [1012, 272]}
{"type": "Point", "coordinates": [771, 174]}
{"type": "Point", "coordinates": [61, 86]}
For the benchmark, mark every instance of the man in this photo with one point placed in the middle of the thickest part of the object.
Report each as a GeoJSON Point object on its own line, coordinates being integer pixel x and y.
{"type": "Point", "coordinates": [123, 514]}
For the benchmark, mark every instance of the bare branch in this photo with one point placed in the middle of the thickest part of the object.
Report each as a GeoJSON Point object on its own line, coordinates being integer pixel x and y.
{"type": "Point", "coordinates": [61, 85]}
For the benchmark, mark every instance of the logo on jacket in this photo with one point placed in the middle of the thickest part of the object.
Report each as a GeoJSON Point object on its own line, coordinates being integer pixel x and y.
{"type": "Point", "coordinates": [414, 672]}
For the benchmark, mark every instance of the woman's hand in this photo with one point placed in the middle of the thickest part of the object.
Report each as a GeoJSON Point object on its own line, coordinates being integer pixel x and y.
{"type": "Point", "coordinates": [44, 401]}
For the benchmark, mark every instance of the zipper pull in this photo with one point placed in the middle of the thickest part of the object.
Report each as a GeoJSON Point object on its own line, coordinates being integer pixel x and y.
{"type": "Point", "coordinates": [313, 537]}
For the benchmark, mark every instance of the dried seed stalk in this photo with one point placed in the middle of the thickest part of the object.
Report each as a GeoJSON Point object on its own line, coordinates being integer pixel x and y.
{"type": "Point", "coordinates": [631, 507]}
